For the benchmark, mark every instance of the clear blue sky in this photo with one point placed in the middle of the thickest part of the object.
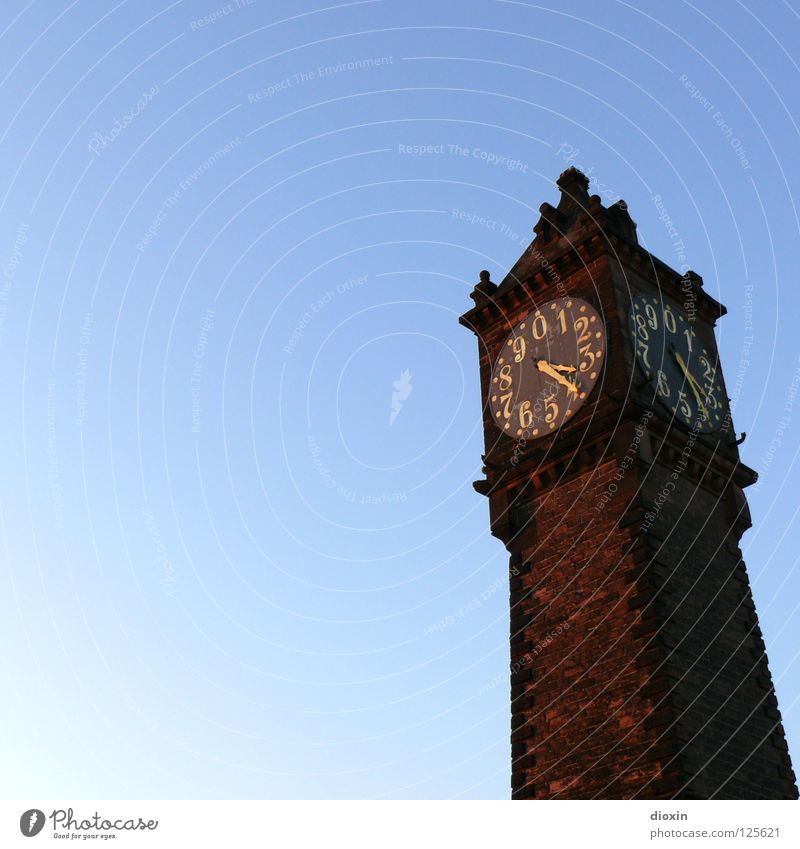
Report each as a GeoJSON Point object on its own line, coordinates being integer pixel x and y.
{"type": "Point", "coordinates": [227, 569]}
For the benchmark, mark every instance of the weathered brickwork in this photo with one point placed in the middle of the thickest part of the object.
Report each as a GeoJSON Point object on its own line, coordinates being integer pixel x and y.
{"type": "Point", "coordinates": [729, 727]}
{"type": "Point", "coordinates": [580, 717]}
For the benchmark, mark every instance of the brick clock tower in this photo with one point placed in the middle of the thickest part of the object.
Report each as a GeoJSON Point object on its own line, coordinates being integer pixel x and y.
{"type": "Point", "coordinates": [638, 669]}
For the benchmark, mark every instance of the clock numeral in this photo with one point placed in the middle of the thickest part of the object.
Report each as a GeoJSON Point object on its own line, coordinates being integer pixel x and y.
{"type": "Point", "coordinates": [505, 400]}
{"type": "Point", "coordinates": [669, 320]}
{"type": "Point", "coordinates": [518, 347]}
{"type": "Point", "coordinates": [585, 350]}
{"type": "Point", "coordinates": [708, 374]}
{"type": "Point", "coordinates": [582, 329]}
{"type": "Point", "coordinates": [562, 320]}
{"type": "Point", "coordinates": [689, 336]}
{"type": "Point", "coordinates": [683, 404]}
{"type": "Point", "coordinates": [652, 316]}
{"type": "Point", "coordinates": [641, 328]}
{"type": "Point", "coordinates": [525, 415]}
{"type": "Point", "coordinates": [643, 352]}
{"type": "Point", "coordinates": [505, 377]}
{"type": "Point", "coordinates": [539, 327]}
{"type": "Point", "coordinates": [550, 409]}
{"type": "Point", "coordinates": [663, 385]}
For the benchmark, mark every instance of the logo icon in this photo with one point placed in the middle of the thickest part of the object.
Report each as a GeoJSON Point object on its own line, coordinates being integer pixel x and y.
{"type": "Point", "coordinates": [402, 389]}
{"type": "Point", "coordinates": [31, 822]}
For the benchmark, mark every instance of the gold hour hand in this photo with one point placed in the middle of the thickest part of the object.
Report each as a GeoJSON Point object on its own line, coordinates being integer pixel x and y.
{"type": "Point", "coordinates": [701, 407]}
{"type": "Point", "coordinates": [554, 371]}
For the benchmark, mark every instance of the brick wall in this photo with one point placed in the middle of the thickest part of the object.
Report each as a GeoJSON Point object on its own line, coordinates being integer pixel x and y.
{"type": "Point", "coordinates": [637, 665]}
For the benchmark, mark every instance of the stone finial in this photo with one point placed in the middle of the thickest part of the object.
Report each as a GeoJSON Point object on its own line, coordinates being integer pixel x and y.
{"type": "Point", "coordinates": [574, 185]}
{"type": "Point", "coordinates": [484, 289]}
{"type": "Point", "coordinates": [694, 278]}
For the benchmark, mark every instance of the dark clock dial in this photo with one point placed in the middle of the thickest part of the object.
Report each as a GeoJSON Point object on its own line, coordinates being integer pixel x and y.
{"type": "Point", "coordinates": [546, 368]}
{"type": "Point", "coordinates": [683, 372]}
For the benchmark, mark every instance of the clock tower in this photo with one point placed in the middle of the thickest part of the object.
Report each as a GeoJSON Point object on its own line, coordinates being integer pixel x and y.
{"type": "Point", "coordinates": [612, 470]}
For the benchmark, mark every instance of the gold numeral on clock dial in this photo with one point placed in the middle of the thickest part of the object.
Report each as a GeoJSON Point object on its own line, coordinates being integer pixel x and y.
{"type": "Point", "coordinates": [586, 351]}
{"type": "Point", "coordinates": [683, 404]}
{"type": "Point", "coordinates": [643, 352]}
{"type": "Point", "coordinates": [582, 329]}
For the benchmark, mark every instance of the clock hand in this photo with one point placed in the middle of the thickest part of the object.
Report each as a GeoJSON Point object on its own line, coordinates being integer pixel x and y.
{"type": "Point", "coordinates": [551, 370]}
{"type": "Point", "coordinates": [692, 382]}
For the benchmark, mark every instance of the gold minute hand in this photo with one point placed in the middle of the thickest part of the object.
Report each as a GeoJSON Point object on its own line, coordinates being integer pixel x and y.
{"type": "Point", "coordinates": [553, 371]}
{"type": "Point", "coordinates": [693, 383]}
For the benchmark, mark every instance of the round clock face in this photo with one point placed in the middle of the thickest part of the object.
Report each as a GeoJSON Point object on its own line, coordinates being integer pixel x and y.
{"type": "Point", "coordinates": [683, 372]}
{"type": "Point", "coordinates": [546, 368]}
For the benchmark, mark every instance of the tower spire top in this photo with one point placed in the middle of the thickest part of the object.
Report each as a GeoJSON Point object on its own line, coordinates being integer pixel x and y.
{"type": "Point", "coordinates": [574, 185]}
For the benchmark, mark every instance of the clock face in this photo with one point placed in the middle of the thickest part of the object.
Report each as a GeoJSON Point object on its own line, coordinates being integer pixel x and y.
{"type": "Point", "coordinates": [683, 372]}
{"type": "Point", "coordinates": [546, 368]}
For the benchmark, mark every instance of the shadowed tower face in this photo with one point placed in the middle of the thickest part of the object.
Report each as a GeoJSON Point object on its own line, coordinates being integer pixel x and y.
{"type": "Point", "coordinates": [613, 476]}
